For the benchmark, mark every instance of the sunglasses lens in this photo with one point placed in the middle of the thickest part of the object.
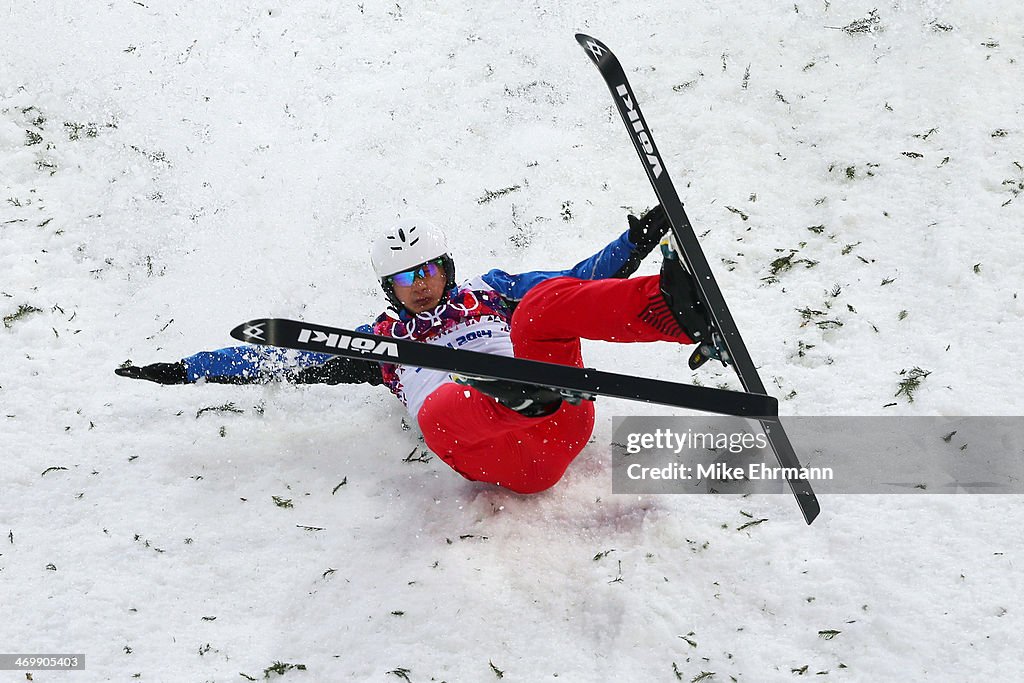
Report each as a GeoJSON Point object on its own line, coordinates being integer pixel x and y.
{"type": "Point", "coordinates": [404, 279]}
{"type": "Point", "coordinates": [429, 269]}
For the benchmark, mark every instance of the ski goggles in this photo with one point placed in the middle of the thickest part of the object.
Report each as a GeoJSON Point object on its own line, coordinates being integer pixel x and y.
{"type": "Point", "coordinates": [424, 270]}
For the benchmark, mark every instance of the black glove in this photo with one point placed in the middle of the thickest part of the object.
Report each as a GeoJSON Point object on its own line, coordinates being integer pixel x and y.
{"type": "Point", "coordinates": [341, 371]}
{"type": "Point", "coordinates": [161, 373]}
{"type": "Point", "coordinates": [645, 233]}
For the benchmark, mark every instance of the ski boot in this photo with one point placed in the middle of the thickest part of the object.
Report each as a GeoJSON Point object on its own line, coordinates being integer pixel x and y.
{"type": "Point", "coordinates": [680, 292]}
{"type": "Point", "coordinates": [530, 400]}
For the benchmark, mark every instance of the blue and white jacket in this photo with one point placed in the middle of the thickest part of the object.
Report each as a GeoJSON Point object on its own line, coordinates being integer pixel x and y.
{"type": "Point", "coordinates": [475, 315]}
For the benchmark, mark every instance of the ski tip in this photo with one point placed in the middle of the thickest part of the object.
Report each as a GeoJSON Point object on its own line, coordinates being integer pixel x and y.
{"type": "Point", "coordinates": [252, 332]}
{"type": "Point", "coordinates": [596, 50]}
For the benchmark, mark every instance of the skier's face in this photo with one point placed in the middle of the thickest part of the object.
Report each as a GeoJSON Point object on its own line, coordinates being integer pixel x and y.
{"type": "Point", "coordinates": [421, 288]}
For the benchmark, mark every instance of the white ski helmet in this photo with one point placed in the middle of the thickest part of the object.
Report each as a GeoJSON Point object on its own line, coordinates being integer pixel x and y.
{"type": "Point", "coordinates": [405, 245]}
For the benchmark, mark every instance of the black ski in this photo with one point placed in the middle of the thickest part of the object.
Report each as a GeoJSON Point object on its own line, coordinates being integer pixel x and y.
{"type": "Point", "coordinates": [578, 381]}
{"type": "Point", "coordinates": [730, 342]}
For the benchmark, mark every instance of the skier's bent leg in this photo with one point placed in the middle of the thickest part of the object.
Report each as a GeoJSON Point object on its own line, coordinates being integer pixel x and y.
{"type": "Point", "coordinates": [483, 441]}
{"type": "Point", "coordinates": [550, 320]}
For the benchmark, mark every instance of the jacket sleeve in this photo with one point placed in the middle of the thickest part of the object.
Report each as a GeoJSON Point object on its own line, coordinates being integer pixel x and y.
{"type": "Point", "coordinates": [259, 364]}
{"type": "Point", "coordinates": [609, 262]}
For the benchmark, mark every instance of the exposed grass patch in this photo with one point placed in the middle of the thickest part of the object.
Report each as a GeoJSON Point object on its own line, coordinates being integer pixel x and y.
{"type": "Point", "coordinates": [872, 23]}
{"type": "Point", "coordinates": [911, 382]}
{"type": "Point", "coordinates": [491, 195]}
{"type": "Point", "coordinates": [786, 263]}
{"type": "Point", "coordinates": [24, 310]}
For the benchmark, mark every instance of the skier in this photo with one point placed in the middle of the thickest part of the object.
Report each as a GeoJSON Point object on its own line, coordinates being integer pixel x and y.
{"type": "Point", "coordinates": [518, 436]}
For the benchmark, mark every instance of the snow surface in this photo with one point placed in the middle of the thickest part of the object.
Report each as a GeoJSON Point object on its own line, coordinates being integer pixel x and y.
{"type": "Point", "coordinates": [169, 170]}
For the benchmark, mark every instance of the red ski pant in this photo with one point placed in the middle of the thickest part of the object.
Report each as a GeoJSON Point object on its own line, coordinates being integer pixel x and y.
{"type": "Point", "coordinates": [484, 441]}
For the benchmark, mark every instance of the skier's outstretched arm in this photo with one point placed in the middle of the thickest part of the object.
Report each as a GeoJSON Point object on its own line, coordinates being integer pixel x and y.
{"type": "Point", "coordinates": [258, 365]}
